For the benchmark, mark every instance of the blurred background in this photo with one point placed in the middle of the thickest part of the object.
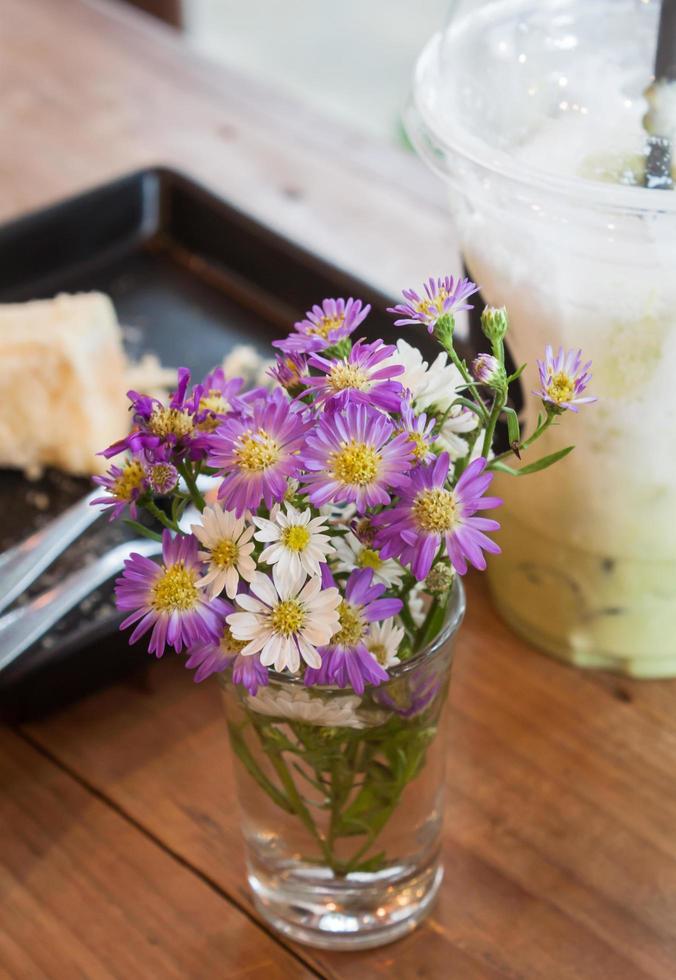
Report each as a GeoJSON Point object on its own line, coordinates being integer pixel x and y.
{"type": "Point", "coordinates": [351, 60]}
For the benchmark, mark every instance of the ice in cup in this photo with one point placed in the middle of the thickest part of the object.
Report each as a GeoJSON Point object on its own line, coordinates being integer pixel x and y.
{"type": "Point", "coordinates": [532, 111]}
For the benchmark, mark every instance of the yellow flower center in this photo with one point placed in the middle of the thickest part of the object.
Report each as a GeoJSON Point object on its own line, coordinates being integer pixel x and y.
{"type": "Point", "coordinates": [288, 617]}
{"type": "Point", "coordinates": [427, 306]}
{"type": "Point", "coordinates": [257, 451]}
{"type": "Point", "coordinates": [294, 374]}
{"type": "Point", "coordinates": [170, 422]}
{"type": "Point", "coordinates": [379, 651]}
{"type": "Point", "coordinates": [214, 401]}
{"type": "Point", "coordinates": [326, 325]}
{"type": "Point", "coordinates": [368, 558]}
{"type": "Point", "coordinates": [419, 446]}
{"type": "Point", "coordinates": [351, 626]}
{"type": "Point", "coordinates": [229, 645]}
{"type": "Point", "coordinates": [130, 479]}
{"type": "Point", "coordinates": [561, 387]}
{"type": "Point", "coordinates": [434, 510]}
{"type": "Point", "coordinates": [163, 473]}
{"type": "Point", "coordinates": [225, 553]}
{"type": "Point", "coordinates": [345, 375]}
{"type": "Point", "coordinates": [295, 538]}
{"type": "Point", "coordinates": [356, 463]}
{"type": "Point", "coordinates": [175, 590]}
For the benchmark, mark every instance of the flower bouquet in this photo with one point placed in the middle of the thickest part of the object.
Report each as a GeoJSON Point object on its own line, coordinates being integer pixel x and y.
{"type": "Point", "coordinates": [335, 508]}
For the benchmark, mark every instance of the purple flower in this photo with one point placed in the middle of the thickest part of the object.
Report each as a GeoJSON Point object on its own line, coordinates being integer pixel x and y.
{"type": "Point", "coordinates": [290, 371]}
{"type": "Point", "coordinates": [357, 378]}
{"type": "Point", "coordinates": [218, 655]}
{"type": "Point", "coordinates": [218, 399]}
{"type": "Point", "coordinates": [164, 431]}
{"type": "Point", "coordinates": [324, 326]}
{"type": "Point", "coordinates": [446, 295]}
{"type": "Point", "coordinates": [257, 455]}
{"type": "Point", "coordinates": [563, 378]}
{"type": "Point", "coordinates": [488, 370]}
{"type": "Point", "coordinates": [166, 597]}
{"type": "Point", "coordinates": [429, 513]}
{"type": "Point", "coordinates": [352, 457]}
{"type": "Point", "coordinates": [346, 661]}
{"type": "Point", "coordinates": [250, 673]}
{"type": "Point", "coordinates": [420, 432]}
{"type": "Point", "coordinates": [408, 697]}
{"type": "Point", "coordinates": [125, 484]}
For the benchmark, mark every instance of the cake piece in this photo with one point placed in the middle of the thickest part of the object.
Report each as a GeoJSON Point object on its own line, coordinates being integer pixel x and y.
{"type": "Point", "coordinates": [62, 378]}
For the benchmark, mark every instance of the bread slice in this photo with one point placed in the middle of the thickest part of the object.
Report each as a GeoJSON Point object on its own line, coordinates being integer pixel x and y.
{"type": "Point", "coordinates": [62, 383]}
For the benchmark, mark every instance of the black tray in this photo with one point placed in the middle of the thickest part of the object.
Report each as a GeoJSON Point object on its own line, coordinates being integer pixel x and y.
{"type": "Point", "coordinates": [192, 277]}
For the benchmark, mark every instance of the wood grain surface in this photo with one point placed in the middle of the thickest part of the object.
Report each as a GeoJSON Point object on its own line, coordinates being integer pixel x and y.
{"type": "Point", "coordinates": [120, 853]}
{"type": "Point", "coordinates": [559, 847]}
{"type": "Point", "coordinates": [86, 893]}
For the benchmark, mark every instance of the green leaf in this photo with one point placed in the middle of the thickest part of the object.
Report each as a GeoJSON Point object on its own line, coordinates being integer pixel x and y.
{"type": "Point", "coordinates": [541, 464]}
{"type": "Point", "coordinates": [374, 863]}
{"type": "Point", "coordinates": [513, 427]}
{"type": "Point", "coordinates": [517, 374]}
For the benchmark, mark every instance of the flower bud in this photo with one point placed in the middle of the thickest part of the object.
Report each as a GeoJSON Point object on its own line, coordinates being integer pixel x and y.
{"type": "Point", "coordinates": [489, 371]}
{"type": "Point", "coordinates": [364, 530]}
{"type": "Point", "coordinates": [162, 478]}
{"type": "Point", "coordinates": [440, 579]}
{"type": "Point", "coordinates": [444, 329]}
{"type": "Point", "coordinates": [494, 323]}
{"type": "Point", "coordinates": [289, 372]}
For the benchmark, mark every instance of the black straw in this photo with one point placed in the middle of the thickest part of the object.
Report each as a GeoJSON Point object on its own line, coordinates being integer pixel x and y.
{"type": "Point", "coordinates": [665, 58]}
{"type": "Point", "coordinates": [659, 150]}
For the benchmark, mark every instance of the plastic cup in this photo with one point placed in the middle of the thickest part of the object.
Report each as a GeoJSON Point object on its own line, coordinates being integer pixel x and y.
{"type": "Point", "coordinates": [531, 113]}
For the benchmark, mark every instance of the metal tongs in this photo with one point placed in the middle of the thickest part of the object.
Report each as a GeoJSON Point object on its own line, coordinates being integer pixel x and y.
{"type": "Point", "coordinates": [21, 565]}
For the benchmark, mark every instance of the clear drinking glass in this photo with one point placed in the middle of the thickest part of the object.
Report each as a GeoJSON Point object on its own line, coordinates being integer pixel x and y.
{"type": "Point", "coordinates": [531, 111]}
{"type": "Point", "coordinates": [342, 798]}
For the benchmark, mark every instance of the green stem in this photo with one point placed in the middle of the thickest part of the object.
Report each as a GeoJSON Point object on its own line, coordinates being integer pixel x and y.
{"type": "Point", "coordinates": [142, 529]}
{"type": "Point", "coordinates": [498, 405]}
{"type": "Point", "coordinates": [159, 515]}
{"type": "Point", "coordinates": [420, 636]}
{"type": "Point", "coordinates": [462, 464]}
{"type": "Point", "coordinates": [244, 755]}
{"type": "Point", "coordinates": [540, 430]}
{"type": "Point", "coordinates": [407, 618]}
{"type": "Point", "coordinates": [185, 469]}
{"type": "Point", "coordinates": [296, 802]}
{"type": "Point", "coordinates": [469, 380]}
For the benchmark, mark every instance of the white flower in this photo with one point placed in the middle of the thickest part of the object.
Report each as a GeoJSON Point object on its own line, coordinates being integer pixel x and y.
{"type": "Point", "coordinates": [338, 513]}
{"type": "Point", "coordinates": [298, 704]}
{"type": "Point", "coordinates": [459, 422]}
{"type": "Point", "coordinates": [297, 543]}
{"type": "Point", "coordinates": [244, 361]}
{"type": "Point", "coordinates": [228, 546]}
{"type": "Point", "coordinates": [383, 641]}
{"type": "Point", "coordinates": [430, 385]}
{"type": "Point", "coordinates": [416, 605]}
{"type": "Point", "coordinates": [287, 622]}
{"type": "Point", "coordinates": [263, 378]}
{"type": "Point", "coordinates": [351, 554]}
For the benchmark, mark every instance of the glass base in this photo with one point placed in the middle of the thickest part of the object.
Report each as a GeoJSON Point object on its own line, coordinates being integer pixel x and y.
{"type": "Point", "coordinates": [359, 912]}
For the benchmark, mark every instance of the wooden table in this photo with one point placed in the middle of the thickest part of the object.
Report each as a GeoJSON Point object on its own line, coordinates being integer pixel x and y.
{"type": "Point", "coordinates": [120, 854]}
